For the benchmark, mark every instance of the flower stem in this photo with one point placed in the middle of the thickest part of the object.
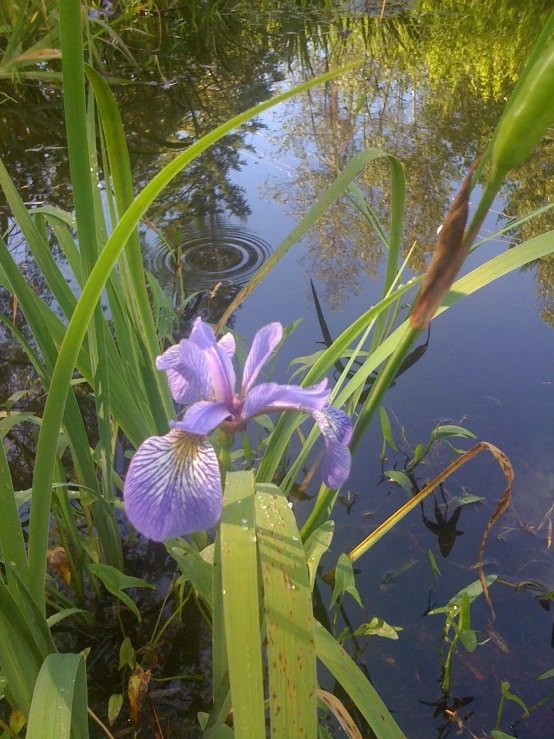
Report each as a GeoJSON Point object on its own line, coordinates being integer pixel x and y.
{"type": "Point", "coordinates": [226, 441]}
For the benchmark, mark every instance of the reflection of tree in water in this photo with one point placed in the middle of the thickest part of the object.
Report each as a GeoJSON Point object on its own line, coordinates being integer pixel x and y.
{"type": "Point", "coordinates": [431, 92]}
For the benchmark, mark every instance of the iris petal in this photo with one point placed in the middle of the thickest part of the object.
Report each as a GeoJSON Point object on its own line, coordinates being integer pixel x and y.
{"type": "Point", "coordinates": [188, 372]}
{"type": "Point", "coordinates": [269, 397]}
{"type": "Point", "coordinates": [264, 343]}
{"type": "Point", "coordinates": [336, 428]}
{"type": "Point", "coordinates": [222, 373]}
{"type": "Point", "coordinates": [227, 343]}
{"type": "Point", "coordinates": [203, 417]}
{"type": "Point", "coordinates": [173, 486]}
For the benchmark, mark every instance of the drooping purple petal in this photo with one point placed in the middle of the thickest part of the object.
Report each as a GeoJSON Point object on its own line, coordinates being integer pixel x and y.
{"type": "Point", "coordinates": [269, 397]}
{"type": "Point", "coordinates": [222, 374]}
{"type": "Point", "coordinates": [173, 486]}
{"type": "Point", "coordinates": [227, 343]}
{"type": "Point", "coordinates": [264, 343]}
{"type": "Point", "coordinates": [203, 417]}
{"type": "Point", "coordinates": [336, 428]}
{"type": "Point", "coordinates": [188, 372]}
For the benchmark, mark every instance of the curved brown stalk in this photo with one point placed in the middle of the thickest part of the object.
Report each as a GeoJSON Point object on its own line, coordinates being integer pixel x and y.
{"type": "Point", "coordinates": [503, 503]}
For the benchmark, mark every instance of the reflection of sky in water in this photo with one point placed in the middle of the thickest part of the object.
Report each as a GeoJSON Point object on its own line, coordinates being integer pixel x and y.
{"type": "Point", "coordinates": [489, 367]}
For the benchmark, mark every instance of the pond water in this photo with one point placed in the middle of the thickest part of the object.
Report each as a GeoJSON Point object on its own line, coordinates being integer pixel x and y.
{"type": "Point", "coordinates": [431, 88]}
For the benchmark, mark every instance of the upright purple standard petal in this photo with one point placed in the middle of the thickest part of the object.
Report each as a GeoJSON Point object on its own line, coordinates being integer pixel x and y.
{"type": "Point", "coordinates": [173, 486]}
{"type": "Point", "coordinates": [222, 373]}
{"type": "Point", "coordinates": [336, 428]}
{"type": "Point", "coordinates": [264, 343]}
{"type": "Point", "coordinates": [227, 343]}
{"type": "Point", "coordinates": [269, 397]}
{"type": "Point", "coordinates": [203, 417]}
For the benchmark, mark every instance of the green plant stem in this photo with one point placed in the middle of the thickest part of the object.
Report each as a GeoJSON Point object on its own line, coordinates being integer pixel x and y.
{"type": "Point", "coordinates": [491, 189]}
{"type": "Point", "coordinates": [226, 442]}
{"type": "Point", "coordinates": [499, 712]}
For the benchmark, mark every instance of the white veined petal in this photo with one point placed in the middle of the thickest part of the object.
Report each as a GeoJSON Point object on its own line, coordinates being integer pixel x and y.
{"type": "Point", "coordinates": [173, 486]}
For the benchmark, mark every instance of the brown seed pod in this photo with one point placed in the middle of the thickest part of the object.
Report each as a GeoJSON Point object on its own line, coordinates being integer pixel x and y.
{"type": "Point", "coordinates": [449, 255]}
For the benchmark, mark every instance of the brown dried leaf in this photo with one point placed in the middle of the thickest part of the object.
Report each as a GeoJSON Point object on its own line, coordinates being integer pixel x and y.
{"type": "Point", "coordinates": [138, 687]}
{"type": "Point", "coordinates": [41, 55]}
{"type": "Point", "coordinates": [449, 255]}
{"type": "Point", "coordinates": [341, 714]}
{"type": "Point", "coordinates": [57, 559]}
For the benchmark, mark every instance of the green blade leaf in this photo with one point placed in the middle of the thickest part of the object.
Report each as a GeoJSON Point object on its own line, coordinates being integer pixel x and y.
{"type": "Point", "coordinates": [354, 682]}
{"type": "Point", "coordinates": [316, 546]}
{"type": "Point", "coordinates": [386, 428]}
{"type": "Point", "coordinates": [59, 707]}
{"type": "Point", "coordinates": [114, 581]}
{"type": "Point", "coordinates": [20, 654]}
{"type": "Point", "coordinates": [239, 567]}
{"type": "Point", "coordinates": [194, 568]}
{"type": "Point", "coordinates": [288, 606]}
{"type": "Point", "coordinates": [345, 581]}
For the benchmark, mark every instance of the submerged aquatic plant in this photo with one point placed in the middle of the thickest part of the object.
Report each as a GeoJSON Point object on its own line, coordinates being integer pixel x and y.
{"type": "Point", "coordinates": [173, 486]}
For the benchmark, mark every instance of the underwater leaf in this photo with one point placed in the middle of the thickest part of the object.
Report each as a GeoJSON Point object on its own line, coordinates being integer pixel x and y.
{"type": "Point", "coordinates": [115, 581]}
{"type": "Point", "coordinates": [391, 575]}
{"type": "Point", "coordinates": [465, 499]}
{"type": "Point", "coordinates": [545, 675]}
{"type": "Point", "coordinates": [316, 546]}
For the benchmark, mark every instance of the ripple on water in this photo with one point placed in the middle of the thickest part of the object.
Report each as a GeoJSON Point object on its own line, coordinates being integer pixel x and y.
{"type": "Point", "coordinates": [222, 253]}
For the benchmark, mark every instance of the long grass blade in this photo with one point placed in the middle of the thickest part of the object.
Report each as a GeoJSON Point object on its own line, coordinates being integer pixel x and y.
{"type": "Point", "coordinates": [11, 534]}
{"type": "Point", "coordinates": [20, 655]}
{"type": "Point", "coordinates": [120, 169]}
{"type": "Point", "coordinates": [290, 625]}
{"type": "Point", "coordinates": [241, 606]}
{"type": "Point", "coordinates": [59, 705]}
{"type": "Point", "coordinates": [357, 686]}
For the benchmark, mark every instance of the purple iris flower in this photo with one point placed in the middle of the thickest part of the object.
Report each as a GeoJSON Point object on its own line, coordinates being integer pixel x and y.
{"type": "Point", "coordinates": [173, 485]}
